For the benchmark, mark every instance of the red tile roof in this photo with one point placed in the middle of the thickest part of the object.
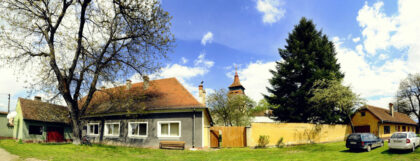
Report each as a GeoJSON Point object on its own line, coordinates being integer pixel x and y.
{"type": "Point", "coordinates": [236, 82]}
{"type": "Point", "coordinates": [384, 115]}
{"type": "Point", "coordinates": [161, 94]}
{"type": "Point", "coordinates": [43, 111]}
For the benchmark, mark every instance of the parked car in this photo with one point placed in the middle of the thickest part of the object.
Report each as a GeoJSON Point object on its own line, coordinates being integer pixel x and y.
{"type": "Point", "coordinates": [365, 141]}
{"type": "Point", "coordinates": [404, 141]}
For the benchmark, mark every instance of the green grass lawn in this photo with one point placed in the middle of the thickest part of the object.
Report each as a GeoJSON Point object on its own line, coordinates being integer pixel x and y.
{"type": "Point", "coordinates": [328, 152]}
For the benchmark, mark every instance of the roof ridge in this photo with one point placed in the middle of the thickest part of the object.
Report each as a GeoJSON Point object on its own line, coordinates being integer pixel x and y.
{"type": "Point", "coordinates": [27, 99]}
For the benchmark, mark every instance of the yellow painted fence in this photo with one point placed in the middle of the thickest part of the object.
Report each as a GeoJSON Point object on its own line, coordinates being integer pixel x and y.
{"type": "Point", "coordinates": [296, 133]}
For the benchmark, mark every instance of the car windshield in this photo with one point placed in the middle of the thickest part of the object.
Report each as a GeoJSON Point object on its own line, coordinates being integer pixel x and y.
{"type": "Point", "coordinates": [399, 135]}
{"type": "Point", "coordinates": [354, 137]}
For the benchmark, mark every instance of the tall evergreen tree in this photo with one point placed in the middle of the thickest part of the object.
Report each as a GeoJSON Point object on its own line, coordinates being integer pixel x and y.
{"type": "Point", "coordinates": [308, 56]}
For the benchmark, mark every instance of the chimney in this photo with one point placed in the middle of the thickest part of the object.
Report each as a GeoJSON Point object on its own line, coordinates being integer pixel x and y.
{"type": "Point", "coordinates": [202, 94]}
{"type": "Point", "coordinates": [146, 82]}
{"type": "Point", "coordinates": [128, 84]}
{"type": "Point", "coordinates": [37, 98]}
{"type": "Point", "coordinates": [391, 109]}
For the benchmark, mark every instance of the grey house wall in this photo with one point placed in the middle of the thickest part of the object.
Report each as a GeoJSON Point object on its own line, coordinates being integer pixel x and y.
{"type": "Point", "coordinates": [152, 140]}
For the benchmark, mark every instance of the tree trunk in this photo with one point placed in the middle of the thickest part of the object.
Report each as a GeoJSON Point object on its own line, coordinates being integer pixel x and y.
{"type": "Point", "coordinates": [351, 124]}
{"type": "Point", "coordinates": [77, 132]}
{"type": "Point", "coordinates": [75, 121]}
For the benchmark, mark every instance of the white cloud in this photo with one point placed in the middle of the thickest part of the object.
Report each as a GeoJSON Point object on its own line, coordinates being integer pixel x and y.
{"type": "Point", "coordinates": [184, 60]}
{"type": "Point", "coordinates": [356, 39]}
{"type": "Point", "coordinates": [379, 83]}
{"type": "Point", "coordinates": [381, 102]}
{"type": "Point", "coordinates": [383, 56]}
{"type": "Point", "coordinates": [271, 9]}
{"type": "Point", "coordinates": [184, 73]}
{"type": "Point", "coordinates": [207, 38]}
{"type": "Point", "coordinates": [376, 27]}
{"type": "Point", "coordinates": [254, 77]}
{"type": "Point", "coordinates": [9, 84]}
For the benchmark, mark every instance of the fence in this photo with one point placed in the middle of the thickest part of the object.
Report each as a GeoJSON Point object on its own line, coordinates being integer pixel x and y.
{"type": "Point", "coordinates": [297, 133]}
{"type": "Point", "coordinates": [232, 136]}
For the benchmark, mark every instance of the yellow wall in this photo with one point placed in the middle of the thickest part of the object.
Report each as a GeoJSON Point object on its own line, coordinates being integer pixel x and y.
{"type": "Point", "coordinates": [206, 130]}
{"type": "Point", "coordinates": [368, 119]}
{"type": "Point", "coordinates": [297, 133]}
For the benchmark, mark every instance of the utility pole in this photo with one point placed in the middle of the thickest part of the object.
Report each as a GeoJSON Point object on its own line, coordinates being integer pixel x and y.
{"type": "Point", "coordinates": [8, 105]}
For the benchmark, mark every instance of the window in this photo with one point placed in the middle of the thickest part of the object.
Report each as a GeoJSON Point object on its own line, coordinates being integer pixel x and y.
{"type": "Point", "coordinates": [399, 128]}
{"type": "Point", "coordinates": [112, 129]}
{"type": "Point", "coordinates": [93, 129]}
{"type": "Point", "coordinates": [363, 113]}
{"type": "Point", "coordinates": [35, 130]}
{"type": "Point", "coordinates": [137, 129]}
{"type": "Point", "coordinates": [169, 129]}
{"type": "Point", "coordinates": [403, 128]}
{"type": "Point", "coordinates": [387, 130]}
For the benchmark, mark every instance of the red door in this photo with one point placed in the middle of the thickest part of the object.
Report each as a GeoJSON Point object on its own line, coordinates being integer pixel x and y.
{"type": "Point", "coordinates": [362, 129]}
{"type": "Point", "coordinates": [55, 134]}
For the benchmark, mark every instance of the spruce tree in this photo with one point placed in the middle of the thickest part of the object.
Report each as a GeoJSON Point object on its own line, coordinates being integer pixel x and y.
{"type": "Point", "coordinates": [308, 56]}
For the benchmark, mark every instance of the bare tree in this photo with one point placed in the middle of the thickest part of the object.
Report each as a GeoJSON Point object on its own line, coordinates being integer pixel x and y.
{"type": "Point", "coordinates": [75, 44]}
{"type": "Point", "coordinates": [408, 96]}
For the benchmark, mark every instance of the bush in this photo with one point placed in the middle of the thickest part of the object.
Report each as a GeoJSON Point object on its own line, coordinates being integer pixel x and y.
{"type": "Point", "coordinates": [263, 141]}
{"type": "Point", "coordinates": [280, 143]}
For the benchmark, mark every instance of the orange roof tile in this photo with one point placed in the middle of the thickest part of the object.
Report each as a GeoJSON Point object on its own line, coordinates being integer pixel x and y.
{"type": "Point", "coordinates": [161, 94]}
{"type": "Point", "coordinates": [384, 115]}
{"type": "Point", "coordinates": [236, 81]}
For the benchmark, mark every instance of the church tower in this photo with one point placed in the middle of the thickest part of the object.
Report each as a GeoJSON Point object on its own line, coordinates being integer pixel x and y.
{"type": "Point", "coordinates": [236, 87]}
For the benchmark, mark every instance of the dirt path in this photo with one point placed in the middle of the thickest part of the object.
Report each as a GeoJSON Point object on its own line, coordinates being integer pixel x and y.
{"type": "Point", "coordinates": [6, 156]}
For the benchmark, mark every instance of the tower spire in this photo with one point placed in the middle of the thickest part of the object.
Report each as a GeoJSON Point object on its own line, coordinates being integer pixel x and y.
{"type": "Point", "coordinates": [236, 87]}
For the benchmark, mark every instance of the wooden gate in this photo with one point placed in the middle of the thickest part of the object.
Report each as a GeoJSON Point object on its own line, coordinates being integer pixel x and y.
{"type": "Point", "coordinates": [232, 136]}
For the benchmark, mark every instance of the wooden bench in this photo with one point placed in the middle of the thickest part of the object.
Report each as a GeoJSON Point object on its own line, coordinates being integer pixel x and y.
{"type": "Point", "coordinates": [172, 145]}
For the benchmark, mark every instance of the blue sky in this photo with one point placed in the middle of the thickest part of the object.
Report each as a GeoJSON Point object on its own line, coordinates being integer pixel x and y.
{"type": "Point", "coordinates": [376, 41]}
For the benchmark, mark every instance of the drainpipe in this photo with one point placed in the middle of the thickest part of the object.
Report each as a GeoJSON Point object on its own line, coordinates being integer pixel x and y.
{"type": "Point", "coordinates": [193, 125]}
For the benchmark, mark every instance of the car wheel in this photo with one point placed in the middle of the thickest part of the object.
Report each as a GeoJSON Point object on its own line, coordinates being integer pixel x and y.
{"type": "Point", "coordinates": [368, 148]}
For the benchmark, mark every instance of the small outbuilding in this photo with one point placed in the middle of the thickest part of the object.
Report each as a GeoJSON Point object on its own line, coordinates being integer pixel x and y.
{"type": "Point", "coordinates": [38, 121]}
{"type": "Point", "coordinates": [6, 128]}
{"type": "Point", "coordinates": [382, 122]}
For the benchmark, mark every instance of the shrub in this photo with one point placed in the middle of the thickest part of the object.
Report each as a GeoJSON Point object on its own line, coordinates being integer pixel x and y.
{"type": "Point", "coordinates": [280, 143]}
{"type": "Point", "coordinates": [263, 141]}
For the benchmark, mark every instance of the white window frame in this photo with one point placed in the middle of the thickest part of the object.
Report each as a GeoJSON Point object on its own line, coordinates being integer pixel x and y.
{"type": "Point", "coordinates": [138, 136]}
{"type": "Point", "coordinates": [169, 130]}
{"type": "Point", "coordinates": [88, 129]}
{"type": "Point", "coordinates": [106, 129]}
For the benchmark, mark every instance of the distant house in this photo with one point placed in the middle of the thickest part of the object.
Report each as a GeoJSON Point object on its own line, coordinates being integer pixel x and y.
{"type": "Point", "coordinates": [381, 122]}
{"type": "Point", "coordinates": [264, 117]}
{"type": "Point", "coordinates": [38, 121]}
{"type": "Point", "coordinates": [146, 114]}
{"type": "Point", "coordinates": [6, 129]}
